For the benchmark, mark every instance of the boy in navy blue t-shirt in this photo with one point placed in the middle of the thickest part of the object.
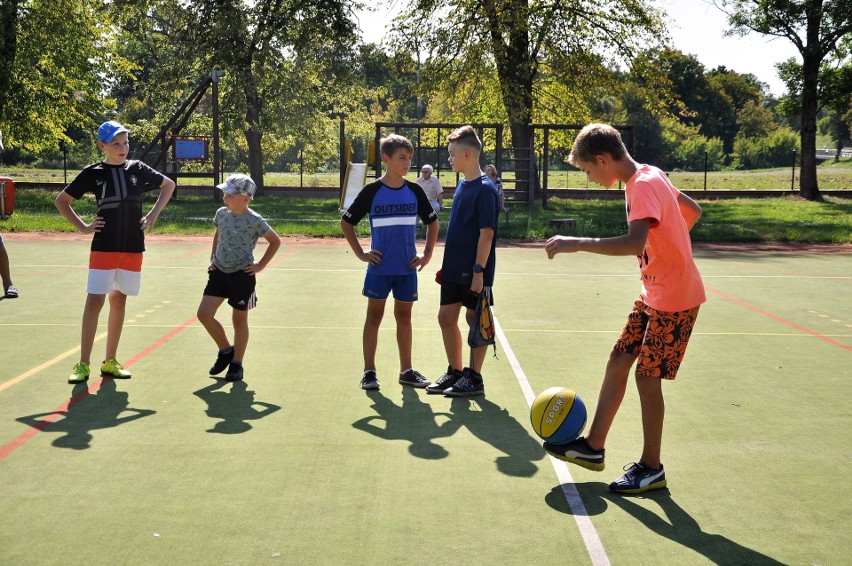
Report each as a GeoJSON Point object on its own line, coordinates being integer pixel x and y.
{"type": "Point", "coordinates": [393, 204]}
{"type": "Point", "coordinates": [469, 262]}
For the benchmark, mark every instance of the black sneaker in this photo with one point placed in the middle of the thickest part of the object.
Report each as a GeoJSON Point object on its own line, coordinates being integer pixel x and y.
{"type": "Point", "coordinates": [447, 380]}
{"type": "Point", "coordinates": [222, 361]}
{"type": "Point", "coordinates": [467, 385]}
{"type": "Point", "coordinates": [235, 372]}
{"type": "Point", "coordinates": [369, 380]}
{"type": "Point", "coordinates": [578, 452]}
{"type": "Point", "coordinates": [413, 378]}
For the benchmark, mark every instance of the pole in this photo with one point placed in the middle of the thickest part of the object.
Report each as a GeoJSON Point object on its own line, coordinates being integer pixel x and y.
{"type": "Point", "coordinates": [342, 149]}
{"type": "Point", "coordinates": [705, 170]}
{"type": "Point", "coordinates": [793, 176]}
{"type": "Point", "coordinates": [217, 162]}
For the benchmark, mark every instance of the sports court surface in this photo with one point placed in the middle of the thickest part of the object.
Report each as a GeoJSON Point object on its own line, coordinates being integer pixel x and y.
{"type": "Point", "coordinates": [297, 465]}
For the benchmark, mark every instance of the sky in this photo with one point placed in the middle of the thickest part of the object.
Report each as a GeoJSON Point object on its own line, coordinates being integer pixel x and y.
{"type": "Point", "coordinates": [697, 28]}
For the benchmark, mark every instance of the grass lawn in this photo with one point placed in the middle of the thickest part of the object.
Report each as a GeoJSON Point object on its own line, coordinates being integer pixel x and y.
{"type": "Point", "coordinates": [831, 176]}
{"type": "Point", "coordinates": [787, 219]}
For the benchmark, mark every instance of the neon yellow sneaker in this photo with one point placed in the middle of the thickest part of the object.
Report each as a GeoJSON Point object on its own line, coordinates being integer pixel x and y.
{"type": "Point", "coordinates": [111, 368]}
{"type": "Point", "coordinates": [80, 373]}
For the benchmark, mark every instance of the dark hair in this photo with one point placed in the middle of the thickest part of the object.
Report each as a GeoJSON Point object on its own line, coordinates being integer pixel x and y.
{"type": "Point", "coordinates": [465, 136]}
{"type": "Point", "coordinates": [388, 145]}
{"type": "Point", "coordinates": [594, 140]}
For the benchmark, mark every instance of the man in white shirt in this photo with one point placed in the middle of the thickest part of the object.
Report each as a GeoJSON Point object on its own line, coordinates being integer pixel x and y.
{"type": "Point", "coordinates": [432, 187]}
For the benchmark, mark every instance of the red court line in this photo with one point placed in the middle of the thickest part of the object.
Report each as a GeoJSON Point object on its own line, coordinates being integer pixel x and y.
{"type": "Point", "coordinates": [54, 416]}
{"type": "Point", "coordinates": [781, 320]}
{"type": "Point", "coordinates": [288, 253]}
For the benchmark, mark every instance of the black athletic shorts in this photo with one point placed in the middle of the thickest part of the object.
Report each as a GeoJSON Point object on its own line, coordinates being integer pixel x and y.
{"type": "Point", "coordinates": [237, 287]}
{"type": "Point", "coordinates": [452, 293]}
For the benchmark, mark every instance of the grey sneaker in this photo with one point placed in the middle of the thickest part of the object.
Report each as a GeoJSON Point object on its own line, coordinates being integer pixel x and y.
{"type": "Point", "coordinates": [369, 380]}
{"type": "Point", "coordinates": [639, 478]}
{"type": "Point", "coordinates": [413, 378]}
{"type": "Point", "coordinates": [447, 380]}
{"type": "Point", "coordinates": [578, 452]}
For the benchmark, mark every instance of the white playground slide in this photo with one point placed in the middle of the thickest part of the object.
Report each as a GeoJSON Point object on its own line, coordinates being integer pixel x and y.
{"type": "Point", "coordinates": [356, 176]}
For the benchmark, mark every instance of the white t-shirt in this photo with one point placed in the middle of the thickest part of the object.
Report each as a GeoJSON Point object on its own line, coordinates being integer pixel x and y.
{"type": "Point", "coordinates": [432, 188]}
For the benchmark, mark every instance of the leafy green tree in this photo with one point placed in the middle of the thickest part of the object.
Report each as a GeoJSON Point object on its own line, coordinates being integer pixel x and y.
{"type": "Point", "coordinates": [54, 70]}
{"type": "Point", "coordinates": [817, 28]}
{"type": "Point", "coordinates": [513, 46]}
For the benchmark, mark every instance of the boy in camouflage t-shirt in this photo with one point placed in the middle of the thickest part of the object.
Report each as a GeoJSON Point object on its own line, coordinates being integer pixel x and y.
{"type": "Point", "coordinates": [232, 270]}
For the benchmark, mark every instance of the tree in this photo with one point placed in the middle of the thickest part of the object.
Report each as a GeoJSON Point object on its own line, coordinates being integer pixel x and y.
{"type": "Point", "coordinates": [526, 42]}
{"type": "Point", "coordinates": [55, 60]}
{"type": "Point", "coordinates": [816, 28]}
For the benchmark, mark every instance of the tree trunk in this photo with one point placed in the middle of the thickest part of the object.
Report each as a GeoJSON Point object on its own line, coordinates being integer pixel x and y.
{"type": "Point", "coordinates": [254, 132]}
{"type": "Point", "coordinates": [811, 58]}
{"type": "Point", "coordinates": [515, 70]}
{"type": "Point", "coordinates": [8, 46]}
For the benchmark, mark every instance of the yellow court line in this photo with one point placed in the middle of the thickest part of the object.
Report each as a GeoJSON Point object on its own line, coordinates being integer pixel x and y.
{"type": "Point", "coordinates": [45, 365]}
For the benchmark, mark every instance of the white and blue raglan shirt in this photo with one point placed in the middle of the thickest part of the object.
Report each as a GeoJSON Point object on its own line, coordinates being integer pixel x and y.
{"type": "Point", "coordinates": [393, 218]}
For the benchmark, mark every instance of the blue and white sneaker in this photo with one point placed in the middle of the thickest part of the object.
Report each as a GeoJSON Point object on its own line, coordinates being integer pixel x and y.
{"type": "Point", "coordinates": [639, 478]}
{"type": "Point", "coordinates": [468, 385]}
{"type": "Point", "coordinates": [447, 380]}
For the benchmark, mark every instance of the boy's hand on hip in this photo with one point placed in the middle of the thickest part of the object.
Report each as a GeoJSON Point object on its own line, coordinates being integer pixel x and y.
{"type": "Point", "coordinates": [253, 269]}
{"type": "Point", "coordinates": [419, 262]}
{"type": "Point", "coordinates": [147, 222]}
{"type": "Point", "coordinates": [373, 256]}
{"type": "Point", "coordinates": [96, 226]}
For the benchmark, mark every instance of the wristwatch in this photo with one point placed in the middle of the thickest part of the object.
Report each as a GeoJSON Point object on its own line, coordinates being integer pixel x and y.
{"type": "Point", "coordinates": [478, 268]}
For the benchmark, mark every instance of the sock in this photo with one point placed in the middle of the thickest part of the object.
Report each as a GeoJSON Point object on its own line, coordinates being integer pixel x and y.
{"type": "Point", "coordinates": [405, 371]}
{"type": "Point", "coordinates": [227, 350]}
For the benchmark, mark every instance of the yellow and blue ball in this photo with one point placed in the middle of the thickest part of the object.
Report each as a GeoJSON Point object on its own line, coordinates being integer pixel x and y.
{"type": "Point", "coordinates": [558, 415]}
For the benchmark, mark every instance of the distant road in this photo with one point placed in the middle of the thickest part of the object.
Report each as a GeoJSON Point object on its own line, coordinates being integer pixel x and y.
{"type": "Point", "coordinates": [846, 152]}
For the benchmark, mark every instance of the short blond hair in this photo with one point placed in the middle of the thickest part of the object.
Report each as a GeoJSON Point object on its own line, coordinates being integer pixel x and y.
{"type": "Point", "coordinates": [595, 139]}
{"type": "Point", "coordinates": [465, 136]}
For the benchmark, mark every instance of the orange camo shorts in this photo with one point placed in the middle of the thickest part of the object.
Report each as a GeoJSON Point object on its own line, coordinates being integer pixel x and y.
{"type": "Point", "coordinates": [657, 338]}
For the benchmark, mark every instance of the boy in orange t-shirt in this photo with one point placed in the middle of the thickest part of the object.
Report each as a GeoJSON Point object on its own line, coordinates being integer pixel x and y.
{"type": "Point", "coordinates": [659, 218]}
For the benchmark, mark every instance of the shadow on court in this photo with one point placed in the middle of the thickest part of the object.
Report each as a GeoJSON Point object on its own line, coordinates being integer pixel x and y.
{"type": "Point", "coordinates": [493, 424]}
{"type": "Point", "coordinates": [673, 523]}
{"type": "Point", "coordinates": [234, 408]}
{"type": "Point", "coordinates": [414, 422]}
{"type": "Point", "coordinates": [99, 410]}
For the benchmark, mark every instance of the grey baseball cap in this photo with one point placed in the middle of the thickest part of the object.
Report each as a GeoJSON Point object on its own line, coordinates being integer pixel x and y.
{"type": "Point", "coordinates": [238, 184]}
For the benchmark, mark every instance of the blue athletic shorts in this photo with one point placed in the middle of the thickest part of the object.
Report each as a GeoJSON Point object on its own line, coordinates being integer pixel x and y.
{"type": "Point", "coordinates": [404, 287]}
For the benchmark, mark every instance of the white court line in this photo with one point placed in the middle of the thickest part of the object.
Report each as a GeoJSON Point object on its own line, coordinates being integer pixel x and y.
{"type": "Point", "coordinates": [593, 543]}
{"type": "Point", "coordinates": [502, 274]}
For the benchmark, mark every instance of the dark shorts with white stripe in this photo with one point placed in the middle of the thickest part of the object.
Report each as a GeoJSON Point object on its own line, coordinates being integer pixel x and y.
{"type": "Point", "coordinates": [237, 287]}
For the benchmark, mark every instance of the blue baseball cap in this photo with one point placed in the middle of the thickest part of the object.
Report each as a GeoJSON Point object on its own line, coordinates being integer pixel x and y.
{"type": "Point", "coordinates": [108, 130]}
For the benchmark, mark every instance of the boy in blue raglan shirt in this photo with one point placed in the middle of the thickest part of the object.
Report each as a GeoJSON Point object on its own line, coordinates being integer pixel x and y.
{"type": "Point", "coordinates": [393, 204]}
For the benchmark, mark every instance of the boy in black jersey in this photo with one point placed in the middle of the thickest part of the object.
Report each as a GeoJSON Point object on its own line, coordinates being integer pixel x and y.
{"type": "Point", "coordinates": [115, 262]}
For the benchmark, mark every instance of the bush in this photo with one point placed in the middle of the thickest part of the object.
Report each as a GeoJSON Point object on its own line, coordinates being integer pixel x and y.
{"type": "Point", "coordinates": [775, 149]}
{"type": "Point", "coordinates": [685, 148]}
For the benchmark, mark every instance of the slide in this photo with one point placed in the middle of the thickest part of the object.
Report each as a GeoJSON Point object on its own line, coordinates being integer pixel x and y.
{"type": "Point", "coordinates": [356, 176]}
